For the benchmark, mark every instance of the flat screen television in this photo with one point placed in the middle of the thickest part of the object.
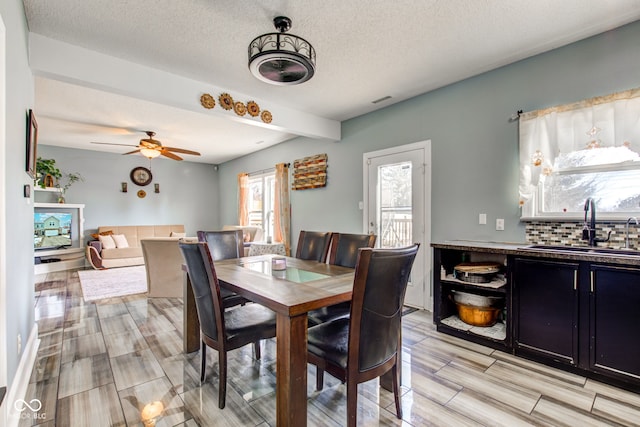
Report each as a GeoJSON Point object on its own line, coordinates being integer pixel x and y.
{"type": "Point", "coordinates": [52, 230]}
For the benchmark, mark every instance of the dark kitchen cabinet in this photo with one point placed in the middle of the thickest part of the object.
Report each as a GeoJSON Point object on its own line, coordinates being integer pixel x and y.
{"type": "Point", "coordinates": [546, 309]}
{"type": "Point", "coordinates": [576, 311]}
{"type": "Point", "coordinates": [614, 321]}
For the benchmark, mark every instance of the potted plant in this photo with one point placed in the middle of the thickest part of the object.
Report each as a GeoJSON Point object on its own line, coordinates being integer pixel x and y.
{"type": "Point", "coordinates": [70, 179]}
{"type": "Point", "coordinates": [46, 172]}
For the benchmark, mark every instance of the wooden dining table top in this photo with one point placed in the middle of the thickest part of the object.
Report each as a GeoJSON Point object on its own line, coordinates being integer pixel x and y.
{"type": "Point", "coordinates": [251, 277]}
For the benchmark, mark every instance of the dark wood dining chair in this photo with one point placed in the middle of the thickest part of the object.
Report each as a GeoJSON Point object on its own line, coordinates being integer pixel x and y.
{"type": "Point", "coordinates": [344, 252]}
{"type": "Point", "coordinates": [225, 244]}
{"type": "Point", "coordinates": [313, 245]}
{"type": "Point", "coordinates": [366, 344]}
{"type": "Point", "coordinates": [222, 330]}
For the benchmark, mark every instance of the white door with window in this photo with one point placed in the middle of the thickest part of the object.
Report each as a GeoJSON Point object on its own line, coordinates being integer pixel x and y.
{"type": "Point", "coordinates": [397, 208]}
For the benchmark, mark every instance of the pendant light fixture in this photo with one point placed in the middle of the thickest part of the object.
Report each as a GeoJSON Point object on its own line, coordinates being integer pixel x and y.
{"type": "Point", "coordinates": [281, 58]}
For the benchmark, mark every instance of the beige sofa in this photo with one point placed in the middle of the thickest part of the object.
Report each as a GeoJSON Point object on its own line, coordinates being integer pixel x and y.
{"type": "Point", "coordinates": [101, 257]}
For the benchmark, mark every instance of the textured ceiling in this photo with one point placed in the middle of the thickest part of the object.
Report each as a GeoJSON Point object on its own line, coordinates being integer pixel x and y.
{"type": "Point", "coordinates": [366, 50]}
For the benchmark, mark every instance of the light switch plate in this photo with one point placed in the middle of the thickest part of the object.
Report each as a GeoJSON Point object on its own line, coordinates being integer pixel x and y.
{"type": "Point", "coordinates": [482, 219]}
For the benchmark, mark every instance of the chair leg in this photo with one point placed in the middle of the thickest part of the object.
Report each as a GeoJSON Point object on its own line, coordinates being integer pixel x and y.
{"type": "Point", "coordinates": [352, 403]}
{"type": "Point", "coordinates": [396, 390]}
{"type": "Point", "coordinates": [319, 378]}
{"type": "Point", "coordinates": [203, 361]}
{"type": "Point", "coordinates": [222, 374]}
{"type": "Point", "coordinates": [256, 346]}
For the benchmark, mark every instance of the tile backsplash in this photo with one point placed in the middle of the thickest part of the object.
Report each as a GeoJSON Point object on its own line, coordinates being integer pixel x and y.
{"type": "Point", "coordinates": [570, 233]}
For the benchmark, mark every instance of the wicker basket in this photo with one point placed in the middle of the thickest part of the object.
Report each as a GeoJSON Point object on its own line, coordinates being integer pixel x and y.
{"type": "Point", "coordinates": [478, 316]}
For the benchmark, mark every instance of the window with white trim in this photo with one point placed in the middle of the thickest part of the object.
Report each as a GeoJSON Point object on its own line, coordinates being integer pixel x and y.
{"type": "Point", "coordinates": [587, 149]}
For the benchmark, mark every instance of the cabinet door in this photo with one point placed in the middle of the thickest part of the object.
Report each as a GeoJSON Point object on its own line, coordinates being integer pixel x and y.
{"type": "Point", "coordinates": [546, 308]}
{"type": "Point", "coordinates": [615, 318]}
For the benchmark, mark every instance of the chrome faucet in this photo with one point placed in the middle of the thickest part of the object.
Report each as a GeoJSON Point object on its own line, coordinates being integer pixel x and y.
{"type": "Point", "coordinates": [633, 218]}
{"type": "Point", "coordinates": [589, 229]}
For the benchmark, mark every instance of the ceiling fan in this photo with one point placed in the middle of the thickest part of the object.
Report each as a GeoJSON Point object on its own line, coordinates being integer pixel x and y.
{"type": "Point", "coordinates": [152, 148]}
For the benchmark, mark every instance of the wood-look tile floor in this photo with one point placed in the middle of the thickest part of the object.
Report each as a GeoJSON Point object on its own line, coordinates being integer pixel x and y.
{"type": "Point", "coordinates": [100, 363]}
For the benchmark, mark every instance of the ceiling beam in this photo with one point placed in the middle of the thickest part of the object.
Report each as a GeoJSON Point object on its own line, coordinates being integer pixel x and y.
{"type": "Point", "coordinates": [57, 60]}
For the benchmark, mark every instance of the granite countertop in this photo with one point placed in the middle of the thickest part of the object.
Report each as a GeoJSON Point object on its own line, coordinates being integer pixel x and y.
{"type": "Point", "coordinates": [621, 257]}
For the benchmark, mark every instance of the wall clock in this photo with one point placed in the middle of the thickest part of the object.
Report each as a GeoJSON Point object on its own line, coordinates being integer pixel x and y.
{"type": "Point", "coordinates": [141, 176]}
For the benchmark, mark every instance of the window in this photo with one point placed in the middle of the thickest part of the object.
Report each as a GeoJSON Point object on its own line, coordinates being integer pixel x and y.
{"type": "Point", "coordinates": [261, 201]}
{"type": "Point", "coordinates": [588, 149]}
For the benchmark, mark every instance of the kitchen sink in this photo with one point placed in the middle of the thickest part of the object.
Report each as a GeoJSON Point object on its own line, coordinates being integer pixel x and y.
{"type": "Point", "coordinates": [585, 249]}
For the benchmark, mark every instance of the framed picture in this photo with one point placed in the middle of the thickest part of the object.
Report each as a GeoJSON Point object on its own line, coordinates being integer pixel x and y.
{"type": "Point", "coordinates": [32, 142]}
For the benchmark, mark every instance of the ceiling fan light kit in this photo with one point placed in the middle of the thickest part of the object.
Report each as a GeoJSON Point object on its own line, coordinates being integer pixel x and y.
{"type": "Point", "coordinates": [280, 58]}
{"type": "Point", "coordinates": [152, 148]}
{"type": "Point", "coordinates": [149, 153]}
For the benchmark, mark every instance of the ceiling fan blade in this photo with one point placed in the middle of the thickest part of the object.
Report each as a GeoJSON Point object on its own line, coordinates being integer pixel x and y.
{"type": "Point", "coordinates": [170, 155]}
{"type": "Point", "coordinates": [109, 143]}
{"type": "Point", "coordinates": [181, 150]}
{"type": "Point", "coordinates": [132, 152]}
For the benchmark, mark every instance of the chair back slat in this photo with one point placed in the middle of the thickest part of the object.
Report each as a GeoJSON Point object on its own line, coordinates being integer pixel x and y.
{"type": "Point", "coordinates": [206, 290]}
{"type": "Point", "coordinates": [313, 245]}
{"type": "Point", "coordinates": [344, 248]}
{"type": "Point", "coordinates": [225, 244]}
{"type": "Point", "coordinates": [379, 288]}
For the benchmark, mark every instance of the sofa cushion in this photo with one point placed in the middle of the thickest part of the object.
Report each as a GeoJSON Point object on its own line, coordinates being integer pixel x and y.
{"type": "Point", "coordinates": [107, 242]}
{"type": "Point", "coordinates": [120, 240]}
{"type": "Point", "coordinates": [116, 253]}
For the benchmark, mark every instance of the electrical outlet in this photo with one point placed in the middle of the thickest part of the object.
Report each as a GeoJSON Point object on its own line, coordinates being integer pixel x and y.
{"type": "Point", "coordinates": [499, 224]}
{"type": "Point", "coordinates": [19, 345]}
{"type": "Point", "coordinates": [482, 219]}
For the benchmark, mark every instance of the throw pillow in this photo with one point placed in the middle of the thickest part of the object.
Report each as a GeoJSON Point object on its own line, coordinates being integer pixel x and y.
{"type": "Point", "coordinates": [174, 234]}
{"type": "Point", "coordinates": [104, 233]}
{"type": "Point", "coordinates": [107, 242]}
{"type": "Point", "coordinates": [120, 240]}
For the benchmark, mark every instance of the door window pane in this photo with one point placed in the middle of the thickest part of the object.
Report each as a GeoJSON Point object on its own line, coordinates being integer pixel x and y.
{"type": "Point", "coordinates": [394, 210]}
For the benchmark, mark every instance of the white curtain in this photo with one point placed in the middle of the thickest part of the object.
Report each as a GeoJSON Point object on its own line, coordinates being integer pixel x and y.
{"type": "Point", "coordinates": [598, 123]}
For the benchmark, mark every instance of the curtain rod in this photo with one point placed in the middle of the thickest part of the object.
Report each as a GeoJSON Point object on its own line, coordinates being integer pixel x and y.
{"type": "Point", "coordinates": [258, 172]}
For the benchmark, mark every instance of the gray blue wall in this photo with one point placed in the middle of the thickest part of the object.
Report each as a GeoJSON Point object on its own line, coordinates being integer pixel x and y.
{"type": "Point", "coordinates": [188, 191]}
{"type": "Point", "coordinates": [18, 259]}
{"type": "Point", "coordinates": [474, 145]}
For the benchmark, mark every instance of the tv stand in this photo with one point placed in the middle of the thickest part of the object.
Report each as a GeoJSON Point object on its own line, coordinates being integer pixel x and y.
{"type": "Point", "coordinates": [65, 257]}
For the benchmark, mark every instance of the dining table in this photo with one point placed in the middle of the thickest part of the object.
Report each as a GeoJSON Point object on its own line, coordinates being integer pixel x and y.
{"type": "Point", "coordinates": [290, 287]}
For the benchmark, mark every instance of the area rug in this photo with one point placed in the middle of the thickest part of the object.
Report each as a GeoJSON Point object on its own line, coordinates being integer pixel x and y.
{"type": "Point", "coordinates": [113, 282]}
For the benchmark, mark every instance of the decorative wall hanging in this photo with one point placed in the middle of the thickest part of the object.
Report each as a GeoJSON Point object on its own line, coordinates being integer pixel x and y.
{"type": "Point", "coordinates": [240, 108]}
{"type": "Point", "coordinates": [253, 108]}
{"type": "Point", "coordinates": [142, 194]}
{"type": "Point", "coordinates": [310, 172]}
{"type": "Point", "coordinates": [207, 101]}
{"type": "Point", "coordinates": [226, 101]}
{"type": "Point", "coordinates": [32, 142]}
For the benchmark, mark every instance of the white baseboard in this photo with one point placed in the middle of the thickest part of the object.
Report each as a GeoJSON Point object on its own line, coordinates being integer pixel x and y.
{"type": "Point", "coordinates": [18, 388]}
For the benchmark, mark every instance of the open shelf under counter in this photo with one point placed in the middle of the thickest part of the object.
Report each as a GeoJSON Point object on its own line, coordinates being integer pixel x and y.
{"type": "Point", "coordinates": [496, 332]}
{"type": "Point", "coordinates": [496, 284]}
